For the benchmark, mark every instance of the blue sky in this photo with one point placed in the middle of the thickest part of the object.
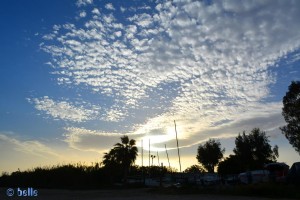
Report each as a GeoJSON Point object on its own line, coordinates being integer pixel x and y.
{"type": "Point", "coordinates": [76, 75]}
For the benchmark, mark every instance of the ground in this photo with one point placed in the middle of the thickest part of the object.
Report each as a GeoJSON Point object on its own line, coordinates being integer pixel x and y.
{"type": "Point", "coordinates": [142, 194]}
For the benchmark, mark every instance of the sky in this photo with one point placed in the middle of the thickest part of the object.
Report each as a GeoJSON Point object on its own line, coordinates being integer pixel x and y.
{"type": "Point", "coordinates": [77, 75]}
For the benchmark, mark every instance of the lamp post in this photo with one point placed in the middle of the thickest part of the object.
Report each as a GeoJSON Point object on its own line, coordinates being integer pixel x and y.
{"type": "Point", "coordinates": [152, 157]}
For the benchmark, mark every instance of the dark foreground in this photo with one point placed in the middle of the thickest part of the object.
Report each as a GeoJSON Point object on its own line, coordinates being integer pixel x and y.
{"type": "Point", "coordinates": [143, 194]}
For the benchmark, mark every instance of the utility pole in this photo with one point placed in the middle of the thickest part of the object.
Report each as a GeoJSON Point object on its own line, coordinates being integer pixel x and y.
{"type": "Point", "coordinates": [157, 158]}
{"type": "Point", "coordinates": [177, 147]}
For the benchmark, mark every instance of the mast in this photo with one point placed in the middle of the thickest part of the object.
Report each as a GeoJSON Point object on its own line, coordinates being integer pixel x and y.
{"type": "Point", "coordinates": [142, 153]}
{"type": "Point", "coordinates": [167, 156]}
{"type": "Point", "coordinates": [149, 153]}
{"type": "Point", "coordinates": [177, 147]}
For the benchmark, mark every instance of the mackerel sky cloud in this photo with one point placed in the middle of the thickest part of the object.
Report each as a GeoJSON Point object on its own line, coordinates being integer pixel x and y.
{"type": "Point", "coordinates": [216, 67]}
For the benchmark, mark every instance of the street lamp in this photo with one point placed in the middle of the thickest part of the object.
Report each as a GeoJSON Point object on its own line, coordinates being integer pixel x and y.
{"type": "Point", "coordinates": [152, 157]}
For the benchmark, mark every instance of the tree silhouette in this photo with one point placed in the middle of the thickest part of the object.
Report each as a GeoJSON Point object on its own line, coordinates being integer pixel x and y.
{"type": "Point", "coordinates": [291, 114]}
{"type": "Point", "coordinates": [253, 150]}
{"type": "Point", "coordinates": [210, 154]}
{"type": "Point", "coordinates": [194, 169]}
{"type": "Point", "coordinates": [121, 156]}
{"type": "Point", "coordinates": [230, 165]}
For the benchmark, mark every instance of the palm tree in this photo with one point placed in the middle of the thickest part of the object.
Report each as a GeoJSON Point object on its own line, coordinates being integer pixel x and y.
{"type": "Point", "coordinates": [123, 154]}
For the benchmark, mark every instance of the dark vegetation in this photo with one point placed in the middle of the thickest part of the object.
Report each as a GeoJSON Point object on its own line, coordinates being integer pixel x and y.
{"type": "Point", "coordinates": [77, 176]}
{"type": "Point", "coordinates": [252, 151]}
{"type": "Point", "coordinates": [209, 154]}
{"type": "Point", "coordinates": [291, 114]}
{"type": "Point", "coordinates": [61, 176]}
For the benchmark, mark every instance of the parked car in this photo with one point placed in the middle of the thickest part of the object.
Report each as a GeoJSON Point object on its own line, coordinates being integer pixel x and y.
{"type": "Point", "coordinates": [294, 174]}
{"type": "Point", "coordinates": [256, 176]}
{"type": "Point", "coordinates": [278, 171]}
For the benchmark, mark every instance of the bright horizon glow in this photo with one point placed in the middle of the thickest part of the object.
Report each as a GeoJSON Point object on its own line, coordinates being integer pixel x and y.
{"type": "Point", "coordinates": [75, 81]}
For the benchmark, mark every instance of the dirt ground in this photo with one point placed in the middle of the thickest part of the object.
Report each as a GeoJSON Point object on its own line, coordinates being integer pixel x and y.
{"type": "Point", "coordinates": [138, 194]}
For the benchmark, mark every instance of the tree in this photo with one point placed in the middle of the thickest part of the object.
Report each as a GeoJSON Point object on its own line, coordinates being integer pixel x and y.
{"type": "Point", "coordinates": [209, 154]}
{"type": "Point", "coordinates": [291, 114]}
{"type": "Point", "coordinates": [230, 165]}
{"type": "Point", "coordinates": [122, 156]}
{"type": "Point", "coordinates": [194, 169]}
{"type": "Point", "coordinates": [253, 150]}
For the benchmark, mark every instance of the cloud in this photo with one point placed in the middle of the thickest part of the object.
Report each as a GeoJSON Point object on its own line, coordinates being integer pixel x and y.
{"type": "Point", "coordinates": [80, 3]}
{"type": "Point", "coordinates": [143, 20]}
{"type": "Point", "coordinates": [204, 64]}
{"type": "Point", "coordinates": [64, 110]}
{"type": "Point", "coordinates": [32, 147]}
{"type": "Point", "coordinates": [109, 6]}
{"type": "Point", "coordinates": [122, 9]}
{"type": "Point", "coordinates": [96, 11]}
{"type": "Point", "coordinates": [114, 115]}
{"type": "Point", "coordinates": [82, 14]}
{"type": "Point", "coordinates": [90, 140]}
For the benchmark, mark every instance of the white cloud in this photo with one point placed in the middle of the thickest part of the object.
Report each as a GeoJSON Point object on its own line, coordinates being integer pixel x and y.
{"type": "Point", "coordinates": [114, 115]}
{"type": "Point", "coordinates": [145, 7]}
{"type": "Point", "coordinates": [64, 110]}
{"type": "Point", "coordinates": [83, 2]}
{"type": "Point", "coordinates": [207, 63]}
{"type": "Point", "coordinates": [82, 14]}
{"type": "Point", "coordinates": [143, 20]}
{"type": "Point", "coordinates": [122, 9]}
{"type": "Point", "coordinates": [96, 11]}
{"type": "Point", "coordinates": [118, 33]}
{"type": "Point", "coordinates": [109, 6]}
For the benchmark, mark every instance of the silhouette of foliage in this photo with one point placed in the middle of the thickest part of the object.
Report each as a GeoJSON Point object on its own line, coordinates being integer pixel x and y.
{"type": "Point", "coordinates": [61, 176]}
{"type": "Point", "coordinates": [253, 150]}
{"type": "Point", "coordinates": [194, 169]}
{"type": "Point", "coordinates": [121, 157]}
{"type": "Point", "coordinates": [209, 154]}
{"type": "Point", "coordinates": [291, 114]}
{"type": "Point", "coordinates": [230, 165]}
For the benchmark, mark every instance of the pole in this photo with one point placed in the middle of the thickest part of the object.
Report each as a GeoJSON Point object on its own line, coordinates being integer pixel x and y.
{"type": "Point", "coordinates": [177, 147]}
{"type": "Point", "coordinates": [167, 156]}
{"type": "Point", "coordinates": [157, 158]}
{"type": "Point", "coordinates": [149, 152]}
{"type": "Point", "coordinates": [142, 153]}
{"type": "Point", "coordinates": [143, 176]}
